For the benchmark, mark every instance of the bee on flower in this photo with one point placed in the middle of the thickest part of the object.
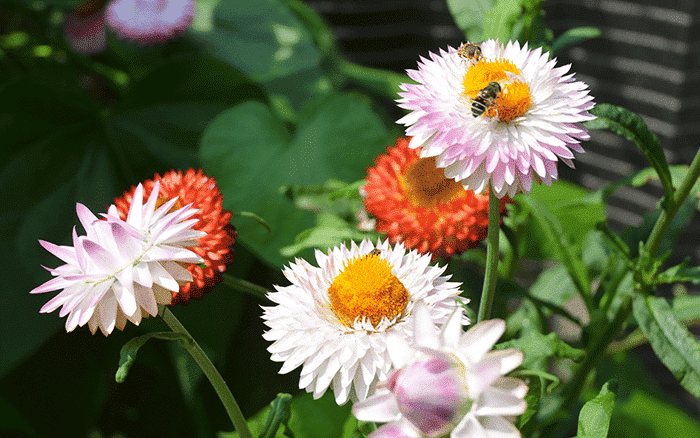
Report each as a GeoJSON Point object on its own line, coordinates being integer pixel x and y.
{"type": "Point", "coordinates": [504, 121]}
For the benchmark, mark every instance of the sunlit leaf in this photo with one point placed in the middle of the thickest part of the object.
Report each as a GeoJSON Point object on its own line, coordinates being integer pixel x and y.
{"type": "Point", "coordinates": [594, 419]}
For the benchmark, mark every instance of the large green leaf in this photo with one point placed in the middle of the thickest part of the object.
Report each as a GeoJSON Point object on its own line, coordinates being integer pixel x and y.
{"type": "Point", "coordinates": [671, 341]}
{"type": "Point", "coordinates": [594, 419]}
{"type": "Point", "coordinates": [645, 416]}
{"type": "Point", "coordinates": [252, 156]}
{"type": "Point", "coordinates": [629, 125]}
{"type": "Point", "coordinates": [499, 20]}
{"type": "Point", "coordinates": [469, 16]}
{"type": "Point", "coordinates": [262, 39]}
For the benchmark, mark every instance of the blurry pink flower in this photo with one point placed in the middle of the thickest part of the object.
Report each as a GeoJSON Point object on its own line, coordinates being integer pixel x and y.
{"type": "Point", "coordinates": [504, 119]}
{"type": "Point", "coordinates": [85, 32]}
{"type": "Point", "coordinates": [149, 21]}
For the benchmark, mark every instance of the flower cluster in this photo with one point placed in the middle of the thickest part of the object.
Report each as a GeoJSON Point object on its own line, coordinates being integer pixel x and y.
{"type": "Point", "coordinates": [216, 246]}
{"type": "Point", "coordinates": [505, 135]}
{"type": "Point", "coordinates": [415, 204]}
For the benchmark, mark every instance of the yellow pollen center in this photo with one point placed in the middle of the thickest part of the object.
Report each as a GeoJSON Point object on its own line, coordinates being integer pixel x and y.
{"type": "Point", "coordinates": [425, 185]}
{"type": "Point", "coordinates": [367, 288]}
{"type": "Point", "coordinates": [514, 98]}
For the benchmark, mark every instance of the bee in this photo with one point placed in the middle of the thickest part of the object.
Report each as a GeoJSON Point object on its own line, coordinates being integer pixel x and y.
{"type": "Point", "coordinates": [485, 98]}
{"type": "Point", "coordinates": [469, 52]}
{"type": "Point", "coordinates": [374, 252]}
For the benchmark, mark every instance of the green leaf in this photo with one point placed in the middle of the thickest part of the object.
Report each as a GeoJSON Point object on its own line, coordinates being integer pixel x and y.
{"type": "Point", "coordinates": [686, 308]}
{"type": "Point", "coordinates": [645, 416]}
{"type": "Point", "coordinates": [469, 15]}
{"type": "Point", "coordinates": [572, 205]}
{"type": "Point", "coordinates": [499, 20]}
{"type": "Point", "coordinates": [574, 36]}
{"type": "Point", "coordinates": [263, 39]}
{"type": "Point", "coordinates": [535, 392]}
{"type": "Point", "coordinates": [127, 355]}
{"type": "Point", "coordinates": [280, 412]}
{"type": "Point", "coordinates": [309, 418]}
{"type": "Point", "coordinates": [554, 234]}
{"type": "Point", "coordinates": [671, 341]}
{"type": "Point", "coordinates": [629, 125]}
{"type": "Point", "coordinates": [252, 156]}
{"type": "Point", "coordinates": [594, 419]}
{"type": "Point", "coordinates": [539, 348]}
{"type": "Point", "coordinates": [331, 231]}
{"type": "Point", "coordinates": [680, 274]}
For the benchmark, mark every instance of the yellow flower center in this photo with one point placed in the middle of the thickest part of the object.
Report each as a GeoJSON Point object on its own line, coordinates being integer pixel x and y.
{"type": "Point", "coordinates": [367, 288]}
{"type": "Point", "coordinates": [514, 98]}
{"type": "Point", "coordinates": [425, 185]}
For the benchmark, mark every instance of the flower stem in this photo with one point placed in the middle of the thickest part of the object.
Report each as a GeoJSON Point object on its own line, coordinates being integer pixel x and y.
{"type": "Point", "coordinates": [222, 390]}
{"type": "Point", "coordinates": [488, 292]}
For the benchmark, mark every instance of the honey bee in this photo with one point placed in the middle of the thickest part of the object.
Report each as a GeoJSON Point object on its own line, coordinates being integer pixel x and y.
{"type": "Point", "coordinates": [375, 251]}
{"type": "Point", "coordinates": [469, 52]}
{"type": "Point", "coordinates": [485, 98]}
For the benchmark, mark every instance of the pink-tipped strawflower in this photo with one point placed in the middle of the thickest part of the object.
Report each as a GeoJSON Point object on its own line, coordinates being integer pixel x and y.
{"type": "Point", "coordinates": [121, 270]}
{"type": "Point", "coordinates": [504, 118]}
{"type": "Point", "coordinates": [448, 383]}
{"type": "Point", "coordinates": [149, 21]}
{"type": "Point", "coordinates": [334, 320]}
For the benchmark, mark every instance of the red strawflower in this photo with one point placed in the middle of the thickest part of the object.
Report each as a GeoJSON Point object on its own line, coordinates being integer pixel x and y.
{"type": "Point", "coordinates": [216, 248]}
{"type": "Point", "coordinates": [414, 203]}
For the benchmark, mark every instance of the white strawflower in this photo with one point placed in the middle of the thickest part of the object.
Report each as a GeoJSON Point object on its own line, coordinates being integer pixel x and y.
{"type": "Point", "coordinates": [508, 133]}
{"type": "Point", "coordinates": [448, 384]}
{"type": "Point", "coordinates": [121, 270]}
{"type": "Point", "coordinates": [334, 320]}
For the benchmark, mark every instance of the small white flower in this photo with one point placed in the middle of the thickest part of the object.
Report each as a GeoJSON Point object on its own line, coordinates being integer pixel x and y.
{"type": "Point", "coordinates": [480, 408]}
{"type": "Point", "coordinates": [334, 320]}
{"type": "Point", "coordinates": [121, 270]}
{"type": "Point", "coordinates": [533, 122]}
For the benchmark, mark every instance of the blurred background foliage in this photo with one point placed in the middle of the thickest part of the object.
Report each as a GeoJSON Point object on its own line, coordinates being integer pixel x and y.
{"type": "Point", "coordinates": [258, 95]}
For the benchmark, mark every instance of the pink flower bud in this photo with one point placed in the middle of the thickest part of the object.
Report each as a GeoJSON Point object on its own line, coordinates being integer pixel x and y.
{"type": "Point", "coordinates": [431, 395]}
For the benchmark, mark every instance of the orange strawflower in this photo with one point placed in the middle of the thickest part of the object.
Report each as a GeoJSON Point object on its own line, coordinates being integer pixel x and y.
{"type": "Point", "coordinates": [216, 248]}
{"type": "Point", "coordinates": [414, 203]}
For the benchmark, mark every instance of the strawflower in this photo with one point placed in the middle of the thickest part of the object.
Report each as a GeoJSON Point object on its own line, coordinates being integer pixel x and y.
{"type": "Point", "coordinates": [215, 247]}
{"type": "Point", "coordinates": [448, 383]}
{"type": "Point", "coordinates": [122, 269]}
{"type": "Point", "coordinates": [150, 21]}
{"type": "Point", "coordinates": [334, 320]}
{"type": "Point", "coordinates": [533, 122]}
{"type": "Point", "coordinates": [414, 203]}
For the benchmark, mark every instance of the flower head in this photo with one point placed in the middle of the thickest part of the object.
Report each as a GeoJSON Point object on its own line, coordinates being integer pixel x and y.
{"type": "Point", "coordinates": [122, 269]}
{"type": "Point", "coordinates": [414, 203]}
{"type": "Point", "coordinates": [504, 119]}
{"type": "Point", "coordinates": [448, 382]}
{"type": "Point", "coordinates": [84, 29]}
{"type": "Point", "coordinates": [215, 247]}
{"type": "Point", "coordinates": [334, 320]}
{"type": "Point", "coordinates": [150, 21]}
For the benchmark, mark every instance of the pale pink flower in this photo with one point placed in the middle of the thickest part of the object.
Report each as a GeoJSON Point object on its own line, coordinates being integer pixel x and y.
{"type": "Point", "coordinates": [149, 21]}
{"type": "Point", "coordinates": [533, 122]}
{"type": "Point", "coordinates": [121, 270]}
{"type": "Point", "coordinates": [448, 383]}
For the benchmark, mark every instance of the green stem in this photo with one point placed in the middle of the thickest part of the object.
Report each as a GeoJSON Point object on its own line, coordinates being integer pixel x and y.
{"type": "Point", "coordinates": [667, 214]}
{"type": "Point", "coordinates": [488, 292]}
{"type": "Point", "coordinates": [222, 390]}
{"type": "Point", "coordinates": [245, 286]}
